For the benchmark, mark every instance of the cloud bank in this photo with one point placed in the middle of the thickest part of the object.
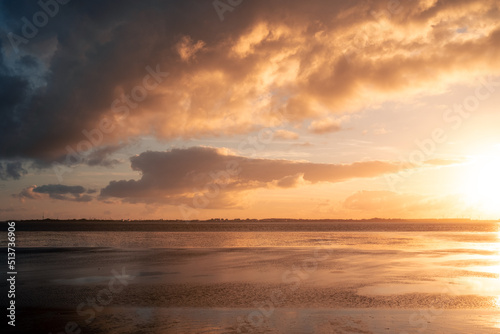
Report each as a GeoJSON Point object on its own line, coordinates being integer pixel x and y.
{"type": "Point", "coordinates": [179, 176]}
{"type": "Point", "coordinates": [268, 63]}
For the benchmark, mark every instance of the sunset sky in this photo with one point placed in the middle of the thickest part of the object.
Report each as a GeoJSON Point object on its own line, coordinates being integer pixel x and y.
{"type": "Point", "coordinates": [197, 109]}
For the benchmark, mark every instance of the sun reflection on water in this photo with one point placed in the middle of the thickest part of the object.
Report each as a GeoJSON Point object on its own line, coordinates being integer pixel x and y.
{"type": "Point", "coordinates": [497, 299]}
{"type": "Point", "coordinates": [496, 322]}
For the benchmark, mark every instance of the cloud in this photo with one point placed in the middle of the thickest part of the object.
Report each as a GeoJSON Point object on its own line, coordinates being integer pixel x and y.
{"type": "Point", "coordinates": [180, 175]}
{"type": "Point", "coordinates": [56, 191]}
{"type": "Point", "coordinates": [305, 144]}
{"type": "Point", "coordinates": [187, 49]}
{"type": "Point", "coordinates": [100, 156]}
{"type": "Point", "coordinates": [12, 170]}
{"type": "Point", "coordinates": [381, 131]}
{"type": "Point", "coordinates": [324, 126]}
{"type": "Point", "coordinates": [28, 193]}
{"type": "Point", "coordinates": [445, 162]}
{"type": "Point", "coordinates": [291, 181]}
{"type": "Point", "coordinates": [285, 134]}
{"type": "Point", "coordinates": [267, 64]}
{"type": "Point", "coordinates": [59, 189]}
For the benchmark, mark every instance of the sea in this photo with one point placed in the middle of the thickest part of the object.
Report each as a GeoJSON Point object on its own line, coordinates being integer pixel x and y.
{"type": "Point", "coordinates": [292, 276]}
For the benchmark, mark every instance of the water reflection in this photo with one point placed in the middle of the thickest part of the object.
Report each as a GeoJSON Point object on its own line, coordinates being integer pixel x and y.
{"type": "Point", "coordinates": [367, 281]}
{"type": "Point", "coordinates": [497, 300]}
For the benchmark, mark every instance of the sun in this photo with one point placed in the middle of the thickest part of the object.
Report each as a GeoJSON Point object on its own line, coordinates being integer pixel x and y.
{"type": "Point", "coordinates": [481, 184]}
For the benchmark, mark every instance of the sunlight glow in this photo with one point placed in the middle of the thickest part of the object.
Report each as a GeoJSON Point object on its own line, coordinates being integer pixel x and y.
{"type": "Point", "coordinates": [481, 186]}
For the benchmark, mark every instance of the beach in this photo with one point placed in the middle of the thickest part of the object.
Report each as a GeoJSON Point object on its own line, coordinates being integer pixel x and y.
{"type": "Point", "coordinates": [322, 278]}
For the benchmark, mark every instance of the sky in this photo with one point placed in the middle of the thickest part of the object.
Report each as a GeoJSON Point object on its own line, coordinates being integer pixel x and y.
{"type": "Point", "coordinates": [199, 109]}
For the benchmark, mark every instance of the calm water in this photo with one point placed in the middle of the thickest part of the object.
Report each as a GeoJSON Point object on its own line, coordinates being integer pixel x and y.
{"type": "Point", "coordinates": [256, 234]}
{"type": "Point", "coordinates": [332, 277]}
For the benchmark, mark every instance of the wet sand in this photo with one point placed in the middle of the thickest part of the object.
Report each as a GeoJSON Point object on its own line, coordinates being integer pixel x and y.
{"type": "Point", "coordinates": [145, 320]}
{"type": "Point", "coordinates": [342, 290]}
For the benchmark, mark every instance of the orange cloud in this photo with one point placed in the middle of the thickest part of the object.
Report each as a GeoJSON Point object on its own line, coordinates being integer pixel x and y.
{"type": "Point", "coordinates": [187, 49]}
{"type": "Point", "coordinates": [277, 63]}
{"type": "Point", "coordinates": [285, 134]}
{"type": "Point", "coordinates": [324, 126]}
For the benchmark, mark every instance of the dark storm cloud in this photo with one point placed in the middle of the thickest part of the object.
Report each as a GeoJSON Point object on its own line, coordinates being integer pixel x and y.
{"type": "Point", "coordinates": [99, 156]}
{"type": "Point", "coordinates": [59, 189]}
{"type": "Point", "coordinates": [56, 191]}
{"type": "Point", "coordinates": [13, 92]}
{"type": "Point", "coordinates": [267, 62]}
{"type": "Point", "coordinates": [95, 48]}
{"type": "Point", "coordinates": [28, 61]}
{"type": "Point", "coordinates": [12, 170]}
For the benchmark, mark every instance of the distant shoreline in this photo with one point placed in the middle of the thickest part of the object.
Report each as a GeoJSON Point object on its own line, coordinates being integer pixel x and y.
{"type": "Point", "coordinates": [256, 225]}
